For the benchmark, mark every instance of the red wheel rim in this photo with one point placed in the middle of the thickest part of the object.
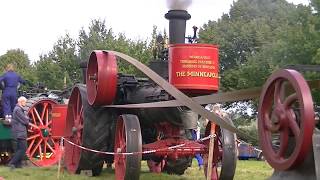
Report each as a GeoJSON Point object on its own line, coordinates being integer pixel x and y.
{"type": "Point", "coordinates": [43, 149]}
{"type": "Point", "coordinates": [74, 131]}
{"type": "Point", "coordinates": [217, 152]}
{"type": "Point", "coordinates": [288, 116]}
{"type": "Point", "coordinates": [101, 78]}
{"type": "Point", "coordinates": [120, 146]}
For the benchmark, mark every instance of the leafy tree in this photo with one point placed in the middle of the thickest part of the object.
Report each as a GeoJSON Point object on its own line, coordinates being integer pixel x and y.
{"type": "Point", "coordinates": [316, 5]}
{"type": "Point", "coordinates": [50, 72]}
{"type": "Point", "coordinates": [64, 54]}
{"type": "Point", "coordinates": [258, 37]}
{"type": "Point", "coordinates": [248, 26]}
{"type": "Point", "coordinates": [20, 60]}
{"type": "Point", "coordinates": [100, 37]}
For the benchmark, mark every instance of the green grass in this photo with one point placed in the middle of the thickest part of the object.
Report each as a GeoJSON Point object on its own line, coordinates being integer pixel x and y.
{"type": "Point", "coordinates": [254, 170]}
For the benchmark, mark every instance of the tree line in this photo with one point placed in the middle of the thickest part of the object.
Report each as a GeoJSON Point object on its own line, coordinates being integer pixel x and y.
{"type": "Point", "coordinates": [64, 58]}
{"type": "Point", "coordinates": [255, 38]}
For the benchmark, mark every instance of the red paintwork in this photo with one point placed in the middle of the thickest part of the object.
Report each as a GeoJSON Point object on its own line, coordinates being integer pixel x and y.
{"type": "Point", "coordinates": [276, 116]}
{"type": "Point", "coordinates": [217, 151]}
{"type": "Point", "coordinates": [168, 129]}
{"type": "Point", "coordinates": [59, 115]}
{"type": "Point", "coordinates": [43, 149]}
{"type": "Point", "coordinates": [194, 68]}
{"type": "Point", "coordinates": [172, 137]}
{"type": "Point", "coordinates": [101, 78]}
{"type": "Point", "coordinates": [190, 149]}
{"type": "Point", "coordinates": [73, 131]}
{"type": "Point", "coordinates": [120, 146]}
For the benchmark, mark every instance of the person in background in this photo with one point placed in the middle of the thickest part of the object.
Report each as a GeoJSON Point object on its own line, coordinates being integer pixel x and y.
{"type": "Point", "coordinates": [19, 124]}
{"type": "Point", "coordinates": [197, 156]}
{"type": "Point", "coordinates": [11, 81]}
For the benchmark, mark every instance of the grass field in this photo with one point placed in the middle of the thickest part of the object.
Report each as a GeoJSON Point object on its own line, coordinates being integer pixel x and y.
{"type": "Point", "coordinates": [253, 170]}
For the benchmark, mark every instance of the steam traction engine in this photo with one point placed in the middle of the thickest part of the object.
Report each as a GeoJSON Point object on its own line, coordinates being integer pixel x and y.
{"type": "Point", "coordinates": [117, 112]}
{"type": "Point", "coordinates": [150, 118]}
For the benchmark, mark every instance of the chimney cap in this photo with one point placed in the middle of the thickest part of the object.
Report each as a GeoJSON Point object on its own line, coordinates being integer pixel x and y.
{"type": "Point", "coordinates": [177, 14]}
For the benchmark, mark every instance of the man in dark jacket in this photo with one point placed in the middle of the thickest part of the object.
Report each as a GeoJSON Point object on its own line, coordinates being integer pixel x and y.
{"type": "Point", "coordinates": [19, 124]}
{"type": "Point", "coordinates": [11, 81]}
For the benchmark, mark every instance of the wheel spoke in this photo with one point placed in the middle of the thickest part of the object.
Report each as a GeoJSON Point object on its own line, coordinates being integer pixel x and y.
{"type": "Point", "coordinates": [44, 110]}
{"type": "Point", "coordinates": [284, 137]}
{"type": "Point", "coordinates": [293, 125]}
{"type": "Point", "coordinates": [45, 148]}
{"type": "Point", "coordinates": [36, 147]}
{"type": "Point", "coordinates": [47, 117]}
{"type": "Point", "coordinates": [38, 116]}
{"type": "Point", "coordinates": [33, 137]}
{"type": "Point", "coordinates": [40, 152]}
{"type": "Point", "coordinates": [33, 117]}
{"type": "Point", "coordinates": [78, 105]}
{"type": "Point", "coordinates": [34, 126]}
{"type": "Point", "coordinates": [277, 90]}
{"type": "Point", "coordinates": [290, 100]}
{"type": "Point", "coordinates": [30, 145]}
{"type": "Point", "coordinates": [267, 122]}
{"type": "Point", "coordinates": [50, 147]}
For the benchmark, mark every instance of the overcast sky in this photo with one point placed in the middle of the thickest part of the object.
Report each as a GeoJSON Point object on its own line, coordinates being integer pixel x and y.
{"type": "Point", "coordinates": [35, 25]}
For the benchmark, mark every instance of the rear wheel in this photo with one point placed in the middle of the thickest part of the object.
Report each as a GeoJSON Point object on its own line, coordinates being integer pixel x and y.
{"type": "Point", "coordinates": [90, 127]}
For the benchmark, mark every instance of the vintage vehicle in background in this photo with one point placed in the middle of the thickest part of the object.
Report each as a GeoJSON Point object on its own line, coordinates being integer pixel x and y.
{"type": "Point", "coordinates": [246, 151]}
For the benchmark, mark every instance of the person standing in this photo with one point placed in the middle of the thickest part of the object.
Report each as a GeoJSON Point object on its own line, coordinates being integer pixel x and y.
{"type": "Point", "coordinates": [11, 81]}
{"type": "Point", "coordinates": [197, 155]}
{"type": "Point", "coordinates": [19, 124]}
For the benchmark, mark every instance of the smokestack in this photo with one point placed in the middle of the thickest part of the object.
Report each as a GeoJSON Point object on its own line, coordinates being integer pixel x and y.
{"type": "Point", "coordinates": [177, 16]}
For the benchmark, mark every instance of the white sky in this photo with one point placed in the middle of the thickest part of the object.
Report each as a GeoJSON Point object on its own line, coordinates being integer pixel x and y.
{"type": "Point", "coordinates": [35, 25]}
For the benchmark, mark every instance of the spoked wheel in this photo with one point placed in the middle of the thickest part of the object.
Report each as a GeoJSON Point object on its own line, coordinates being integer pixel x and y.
{"type": "Point", "coordinates": [90, 127]}
{"type": "Point", "coordinates": [128, 139]}
{"type": "Point", "coordinates": [43, 149]}
{"type": "Point", "coordinates": [224, 154]}
{"type": "Point", "coordinates": [286, 119]}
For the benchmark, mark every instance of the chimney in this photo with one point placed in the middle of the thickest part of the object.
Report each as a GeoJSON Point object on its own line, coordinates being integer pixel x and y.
{"type": "Point", "coordinates": [177, 25]}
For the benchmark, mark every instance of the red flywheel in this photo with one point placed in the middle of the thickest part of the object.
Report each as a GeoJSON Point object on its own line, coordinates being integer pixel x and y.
{"type": "Point", "coordinates": [286, 119]}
